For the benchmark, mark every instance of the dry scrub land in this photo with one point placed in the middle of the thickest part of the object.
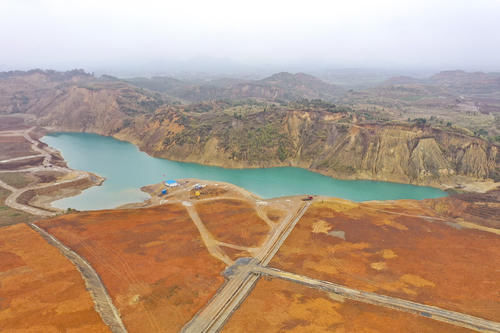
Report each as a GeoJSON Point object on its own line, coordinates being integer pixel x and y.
{"type": "Point", "coordinates": [40, 290]}
{"type": "Point", "coordinates": [233, 221]}
{"type": "Point", "coordinates": [371, 248]}
{"type": "Point", "coordinates": [152, 261]}
{"type": "Point", "coordinates": [163, 264]}
{"type": "Point", "coordinates": [281, 306]}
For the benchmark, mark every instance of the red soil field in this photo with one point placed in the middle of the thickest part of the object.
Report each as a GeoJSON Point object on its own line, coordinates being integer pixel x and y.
{"type": "Point", "coordinates": [281, 306]}
{"type": "Point", "coordinates": [152, 261]}
{"type": "Point", "coordinates": [418, 259]}
{"type": "Point", "coordinates": [41, 290]}
{"type": "Point", "coordinates": [233, 221]}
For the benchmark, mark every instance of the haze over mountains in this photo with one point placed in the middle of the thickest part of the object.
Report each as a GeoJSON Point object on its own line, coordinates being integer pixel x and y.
{"type": "Point", "coordinates": [280, 86]}
{"type": "Point", "coordinates": [288, 86]}
{"type": "Point", "coordinates": [225, 37]}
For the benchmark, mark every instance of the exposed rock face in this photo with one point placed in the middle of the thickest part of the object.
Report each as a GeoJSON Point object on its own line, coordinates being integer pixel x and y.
{"type": "Point", "coordinates": [474, 160]}
{"type": "Point", "coordinates": [427, 160]}
{"type": "Point", "coordinates": [317, 141]}
{"type": "Point", "coordinates": [74, 101]}
{"type": "Point", "coordinates": [331, 142]}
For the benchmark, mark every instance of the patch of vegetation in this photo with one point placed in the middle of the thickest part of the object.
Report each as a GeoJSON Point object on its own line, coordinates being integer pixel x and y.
{"type": "Point", "coordinates": [481, 132]}
{"type": "Point", "coordinates": [319, 105]}
{"type": "Point", "coordinates": [420, 121]}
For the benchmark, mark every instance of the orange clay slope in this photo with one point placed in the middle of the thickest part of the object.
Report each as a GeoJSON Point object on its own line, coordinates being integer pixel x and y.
{"type": "Point", "coordinates": [366, 247]}
{"type": "Point", "coordinates": [41, 290]}
{"type": "Point", "coordinates": [152, 261]}
{"type": "Point", "coordinates": [281, 306]}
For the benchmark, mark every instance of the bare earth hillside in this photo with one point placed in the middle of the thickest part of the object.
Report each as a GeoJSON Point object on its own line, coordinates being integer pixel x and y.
{"type": "Point", "coordinates": [336, 140]}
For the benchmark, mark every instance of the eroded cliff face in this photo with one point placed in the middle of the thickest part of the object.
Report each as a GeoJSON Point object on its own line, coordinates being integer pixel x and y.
{"type": "Point", "coordinates": [333, 143]}
{"type": "Point", "coordinates": [399, 153]}
{"type": "Point", "coordinates": [379, 152]}
{"type": "Point", "coordinates": [74, 101]}
{"type": "Point", "coordinates": [319, 141]}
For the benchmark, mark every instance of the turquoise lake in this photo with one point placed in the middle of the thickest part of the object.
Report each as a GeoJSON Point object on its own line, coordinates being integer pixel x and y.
{"type": "Point", "coordinates": [126, 169]}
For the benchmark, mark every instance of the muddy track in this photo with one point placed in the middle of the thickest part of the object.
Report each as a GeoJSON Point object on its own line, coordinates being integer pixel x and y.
{"type": "Point", "coordinates": [102, 301]}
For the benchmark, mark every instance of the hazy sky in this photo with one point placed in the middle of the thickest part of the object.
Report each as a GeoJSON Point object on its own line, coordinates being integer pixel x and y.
{"type": "Point", "coordinates": [63, 34]}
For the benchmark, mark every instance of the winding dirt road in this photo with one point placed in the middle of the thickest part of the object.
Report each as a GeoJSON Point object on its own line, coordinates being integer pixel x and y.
{"type": "Point", "coordinates": [11, 200]}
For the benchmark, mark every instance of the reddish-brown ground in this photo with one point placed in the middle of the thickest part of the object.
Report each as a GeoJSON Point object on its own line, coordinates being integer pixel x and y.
{"type": "Point", "coordinates": [152, 261]}
{"type": "Point", "coordinates": [480, 208]}
{"type": "Point", "coordinates": [233, 221]}
{"type": "Point", "coordinates": [14, 146]}
{"type": "Point", "coordinates": [41, 290]}
{"type": "Point", "coordinates": [281, 306]}
{"type": "Point", "coordinates": [413, 258]}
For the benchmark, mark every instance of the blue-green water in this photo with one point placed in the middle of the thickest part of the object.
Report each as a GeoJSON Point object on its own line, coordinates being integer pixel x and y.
{"type": "Point", "coordinates": [126, 169]}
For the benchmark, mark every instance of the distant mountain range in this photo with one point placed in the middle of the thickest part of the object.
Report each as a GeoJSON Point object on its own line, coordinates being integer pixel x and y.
{"type": "Point", "coordinates": [278, 87]}
{"type": "Point", "coordinates": [455, 81]}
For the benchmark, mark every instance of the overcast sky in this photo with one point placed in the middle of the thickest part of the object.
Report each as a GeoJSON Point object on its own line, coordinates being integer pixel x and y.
{"type": "Point", "coordinates": [62, 34]}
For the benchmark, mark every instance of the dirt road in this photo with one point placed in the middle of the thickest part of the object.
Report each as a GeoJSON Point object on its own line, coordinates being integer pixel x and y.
{"type": "Point", "coordinates": [210, 243]}
{"type": "Point", "coordinates": [102, 301]}
{"type": "Point", "coordinates": [245, 274]}
{"type": "Point", "coordinates": [233, 292]}
{"type": "Point", "coordinates": [455, 318]}
{"type": "Point", "coordinates": [11, 200]}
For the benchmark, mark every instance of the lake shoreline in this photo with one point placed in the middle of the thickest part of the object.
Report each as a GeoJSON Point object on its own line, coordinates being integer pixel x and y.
{"type": "Point", "coordinates": [456, 184]}
{"type": "Point", "coordinates": [264, 182]}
